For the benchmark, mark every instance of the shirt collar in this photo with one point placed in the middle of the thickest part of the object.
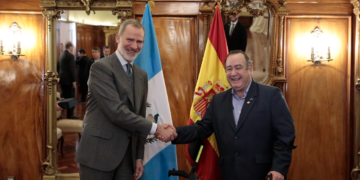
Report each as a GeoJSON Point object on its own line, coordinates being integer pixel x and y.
{"type": "Point", "coordinates": [245, 93]}
{"type": "Point", "coordinates": [123, 62]}
{"type": "Point", "coordinates": [234, 23]}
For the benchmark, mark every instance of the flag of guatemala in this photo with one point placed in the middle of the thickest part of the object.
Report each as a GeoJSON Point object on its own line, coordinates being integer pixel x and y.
{"type": "Point", "coordinates": [159, 157]}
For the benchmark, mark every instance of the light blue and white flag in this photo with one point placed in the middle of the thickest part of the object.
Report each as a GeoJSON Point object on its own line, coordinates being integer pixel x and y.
{"type": "Point", "coordinates": [159, 157]}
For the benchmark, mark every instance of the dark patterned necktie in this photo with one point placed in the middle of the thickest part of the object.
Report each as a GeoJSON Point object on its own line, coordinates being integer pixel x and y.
{"type": "Point", "coordinates": [129, 75]}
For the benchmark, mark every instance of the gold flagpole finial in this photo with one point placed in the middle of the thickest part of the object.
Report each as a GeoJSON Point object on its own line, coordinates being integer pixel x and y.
{"type": "Point", "coordinates": [151, 4]}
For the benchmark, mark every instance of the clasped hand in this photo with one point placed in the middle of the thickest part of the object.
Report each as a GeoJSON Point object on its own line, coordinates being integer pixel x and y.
{"type": "Point", "coordinates": [166, 132]}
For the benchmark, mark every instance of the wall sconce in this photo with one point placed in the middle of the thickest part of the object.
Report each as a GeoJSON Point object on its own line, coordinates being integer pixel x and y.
{"type": "Point", "coordinates": [11, 46]}
{"type": "Point", "coordinates": [319, 52]}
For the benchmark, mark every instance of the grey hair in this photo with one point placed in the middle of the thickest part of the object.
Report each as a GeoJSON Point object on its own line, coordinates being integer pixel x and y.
{"type": "Point", "coordinates": [248, 60]}
{"type": "Point", "coordinates": [127, 22]}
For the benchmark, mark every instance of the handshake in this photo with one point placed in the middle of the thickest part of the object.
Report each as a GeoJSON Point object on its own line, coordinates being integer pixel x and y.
{"type": "Point", "coordinates": [166, 132]}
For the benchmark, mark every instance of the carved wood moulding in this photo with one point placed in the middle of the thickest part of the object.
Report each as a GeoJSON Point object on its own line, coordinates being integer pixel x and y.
{"type": "Point", "coordinates": [88, 5]}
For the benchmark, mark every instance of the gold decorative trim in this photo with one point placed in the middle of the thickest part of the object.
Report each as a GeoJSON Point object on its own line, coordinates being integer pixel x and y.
{"type": "Point", "coordinates": [122, 3]}
{"type": "Point", "coordinates": [207, 11]}
{"type": "Point", "coordinates": [87, 5]}
{"type": "Point", "coordinates": [282, 2]}
{"type": "Point", "coordinates": [71, 176]}
{"type": "Point", "coordinates": [122, 14]}
{"type": "Point", "coordinates": [52, 14]}
{"type": "Point", "coordinates": [47, 3]}
{"type": "Point", "coordinates": [48, 168]}
{"type": "Point", "coordinates": [255, 12]}
{"type": "Point", "coordinates": [51, 79]}
{"type": "Point", "coordinates": [356, 9]}
{"type": "Point", "coordinates": [281, 13]}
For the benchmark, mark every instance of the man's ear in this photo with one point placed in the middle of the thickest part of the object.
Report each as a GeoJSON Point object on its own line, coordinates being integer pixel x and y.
{"type": "Point", "coordinates": [117, 38]}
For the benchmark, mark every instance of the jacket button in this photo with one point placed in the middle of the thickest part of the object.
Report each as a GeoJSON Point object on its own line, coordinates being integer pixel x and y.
{"type": "Point", "coordinates": [236, 154]}
{"type": "Point", "coordinates": [235, 137]}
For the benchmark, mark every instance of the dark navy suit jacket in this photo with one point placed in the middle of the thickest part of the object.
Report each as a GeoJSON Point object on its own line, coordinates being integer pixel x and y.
{"type": "Point", "coordinates": [247, 150]}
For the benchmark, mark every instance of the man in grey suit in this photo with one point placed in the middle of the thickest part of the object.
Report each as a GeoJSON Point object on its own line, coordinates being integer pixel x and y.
{"type": "Point", "coordinates": [252, 124]}
{"type": "Point", "coordinates": [115, 128]}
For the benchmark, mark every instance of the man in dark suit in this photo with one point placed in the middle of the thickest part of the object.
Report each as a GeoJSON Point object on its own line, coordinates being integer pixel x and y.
{"type": "Point", "coordinates": [252, 124]}
{"type": "Point", "coordinates": [115, 128]}
{"type": "Point", "coordinates": [236, 33]}
{"type": "Point", "coordinates": [67, 76]}
{"type": "Point", "coordinates": [82, 74]}
{"type": "Point", "coordinates": [106, 51]}
{"type": "Point", "coordinates": [95, 52]}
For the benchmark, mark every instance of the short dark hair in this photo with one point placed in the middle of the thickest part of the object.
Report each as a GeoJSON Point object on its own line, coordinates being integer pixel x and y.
{"type": "Point", "coordinates": [68, 44]}
{"type": "Point", "coordinates": [248, 61]}
{"type": "Point", "coordinates": [106, 47]}
{"type": "Point", "coordinates": [82, 51]}
{"type": "Point", "coordinates": [96, 48]}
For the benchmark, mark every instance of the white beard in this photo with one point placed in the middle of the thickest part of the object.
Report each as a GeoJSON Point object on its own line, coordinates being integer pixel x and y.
{"type": "Point", "coordinates": [126, 57]}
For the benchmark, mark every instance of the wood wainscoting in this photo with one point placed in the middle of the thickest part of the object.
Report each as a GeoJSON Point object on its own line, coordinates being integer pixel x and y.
{"type": "Point", "coordinates": [22, 112]}
{"type": "Point", "coordinates": [88, 36]}
{"type": "Point", "coordinates": [319, 98]}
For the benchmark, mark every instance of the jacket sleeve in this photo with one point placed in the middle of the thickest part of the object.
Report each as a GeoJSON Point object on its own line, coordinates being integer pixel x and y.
{"type": "Point", "coordinates": [102, 87]}
{"type": "Point", "coordinates": [283, 133]}
{"type": "Point", "coordinates": [71, 62]}
{"type": "Point", "coordinates": [243, 38]}
{"type": "Point", "coordinates": [200, 130]}
{"type": "Point", "coordinates": [142, 140]}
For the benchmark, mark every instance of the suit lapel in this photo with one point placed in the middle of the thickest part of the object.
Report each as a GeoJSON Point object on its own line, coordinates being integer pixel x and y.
{"type": "Point", "coordinates": [249, 102]}
{"type": "Point", "coordinates": [137, 87]}
{"type": "Point", "coordinates": [228, 110]}
{"type": "Point", "coordinates": [122, 77]}
{"type": "Point", "coordinates": [226, 29]}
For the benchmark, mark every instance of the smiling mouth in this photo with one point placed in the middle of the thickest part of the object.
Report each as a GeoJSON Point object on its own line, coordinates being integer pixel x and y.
{"type": "Point", "coordinates": [132, 51]}
{"type": "Point", "coordinates": [235, 79]}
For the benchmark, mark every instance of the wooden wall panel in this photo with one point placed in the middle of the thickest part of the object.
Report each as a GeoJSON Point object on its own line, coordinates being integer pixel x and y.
{"type": "Point", "coordinates": [112, 43]}
{"type": "Point", "coordinates": [320, 8]}
{"type": "Point", "coordinates": [318, 98]}
{"type": "Point", "coordinates": [25, 5]}
{"type": "Point", "coordinates": [22, 122]}
{"type": "Point", "coordinates": [176, 42]}
{"type": "Point", "coordinates": [84, 38]}
{"type": "Point", "coordinates": [98, 36]}
{"type": "Point", "coordinates": [89, 36]}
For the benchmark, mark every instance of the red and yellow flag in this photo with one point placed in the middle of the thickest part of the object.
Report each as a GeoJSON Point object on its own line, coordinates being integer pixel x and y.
{"type": "Point", "coordinates": [212, 80]}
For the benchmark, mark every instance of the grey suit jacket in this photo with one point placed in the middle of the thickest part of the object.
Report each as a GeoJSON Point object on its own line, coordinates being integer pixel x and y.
{"type": "Point", "coordinates": [113, 116]}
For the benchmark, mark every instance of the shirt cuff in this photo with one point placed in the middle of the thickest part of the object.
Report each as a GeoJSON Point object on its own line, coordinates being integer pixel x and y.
{"type": "Point", "coordinates": [153, 129]}
{"type": "Point", "coordinates": [139, 160]}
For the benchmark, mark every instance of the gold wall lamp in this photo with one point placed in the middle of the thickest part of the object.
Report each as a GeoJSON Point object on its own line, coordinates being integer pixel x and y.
{"type": "Point", "coordinates": [10, 44]}
{"type": "Point", "coordinates": [319, 50]}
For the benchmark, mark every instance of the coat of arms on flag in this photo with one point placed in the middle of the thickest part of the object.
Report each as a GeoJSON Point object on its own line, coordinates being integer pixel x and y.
{"type": "Point", "coordinates": [200, 106]}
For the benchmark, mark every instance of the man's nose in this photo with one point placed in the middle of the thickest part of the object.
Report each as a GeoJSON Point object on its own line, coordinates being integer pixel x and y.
{"type": "Point", "coordinates": [134, 45]}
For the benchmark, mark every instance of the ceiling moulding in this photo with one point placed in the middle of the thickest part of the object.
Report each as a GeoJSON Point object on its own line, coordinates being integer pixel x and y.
{"type": "Point", "coordinates": [88, 5]}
